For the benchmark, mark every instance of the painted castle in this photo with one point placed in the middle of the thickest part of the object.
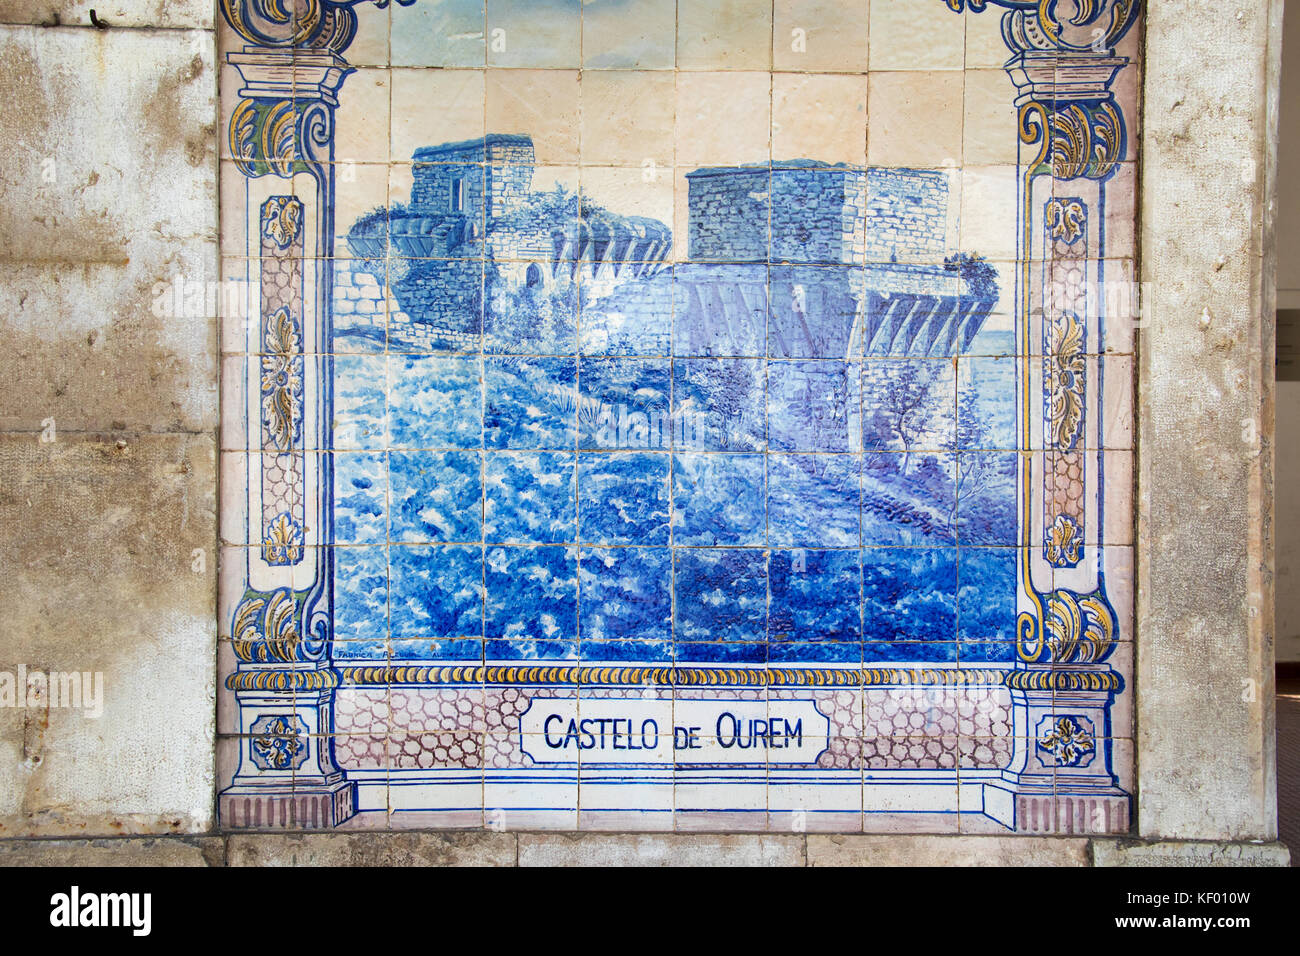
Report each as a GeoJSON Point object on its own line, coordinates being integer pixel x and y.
{"type": "Point", "coordinates": [799, 259]}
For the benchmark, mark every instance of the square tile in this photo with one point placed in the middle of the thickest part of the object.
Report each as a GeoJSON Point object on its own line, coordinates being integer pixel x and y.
{"type": "Point", "coordinates": [532, 599]}
{"type": "Point", "coordinates": [530, 402]}
{"type": "Point", "coordinates": [718, 500]}
{"type": "Point", "coordinates": [723, 119]}
{"type": "Point", "coordinates": [611, 42]}
{"type": "Point", "coordinates": [814, 406]}
{"type": "Point", "coordinates": [544, 104]}
{"type": "Point", "coordinates": [736, 294]}
{"type": "Point", "coordinates": [724, 35]}
{"type": "Point", "coordinates": [719, 405]}
{"type": "Point", "coordinates": [436, 591]}
{"type": "Point", "coordinates": [909, 405]}
{"type": "Point", "coordinates": [435, 496]}
{"type": "Point", "coordinates": [986, 601]}
{"type": "Point", "coordinates": [814, 308]}
{"type": "Point", "coordinates": [623, 498]}
{"type": "Point", "coordinates": [435, 106]}
{"type": "Point", "coordinates": [360, 497]}
{"type": "Point", "coordinates": [909, 499]}
{"type": "Point", "coordinates": [530, 498]}
{"type": "Point", "coordinates": [813, 501]}
{"type": "Point", "coordinates": [905, 37]}
{"type": "Point", "coordinates": [627, 118]}
{"type": "Point", "coordinates": [820, 35]}
{"type": "Point", "coordinates": [626, 597]}
{"type": "Point", "coordinates": [720, 595]}
{"type": "Point", "coordinates": [986, 498]}
{"type": "Point", "coordinates": [815, 595]}
{"type": "Point", "coordinates": [443, 34]}
{"type": "Point", "coordinates": [624, 403]}
{"type": "Point", "coordinates": [916, 118]}
{"type": "Point", "coordinates": [535, 34]}
{"type": "Point", "coordinates": [819, 116]}
{"type": "Point", "coordinates": [910, 594]}
{"type": "Point", "coordinates": [435, 401]}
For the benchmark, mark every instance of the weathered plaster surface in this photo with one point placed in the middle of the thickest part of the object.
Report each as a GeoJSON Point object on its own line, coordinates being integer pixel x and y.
{"type": "Point", "coordinates": [107, 531]}
{"type": "Point", "coordinates": [1205, 599]}
{"type": "Point", "coordinates": [114, 13]}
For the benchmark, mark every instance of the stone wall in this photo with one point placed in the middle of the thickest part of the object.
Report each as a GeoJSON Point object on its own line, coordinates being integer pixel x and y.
{"type": "Point", "coordinates": [108, 421]}
{"type": "Point", "coordinates": [499, 171]}
{"type": "Point", "coordinates": [729, 210]}
{"type": "Point", "coordinates": [915, 203]}
{"type": "Point", "coordinates": [817, 213]}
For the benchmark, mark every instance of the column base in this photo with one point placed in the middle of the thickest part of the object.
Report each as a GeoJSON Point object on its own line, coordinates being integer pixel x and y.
{"type": "Point", "coordinates": [286, 808]}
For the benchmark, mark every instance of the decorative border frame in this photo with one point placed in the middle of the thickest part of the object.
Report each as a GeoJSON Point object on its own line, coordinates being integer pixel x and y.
{"type": "Point", "coordinates": [1071, 131]}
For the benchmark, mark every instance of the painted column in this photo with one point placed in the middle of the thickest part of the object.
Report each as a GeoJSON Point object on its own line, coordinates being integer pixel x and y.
{"type": "Point", "coordinates": [283, 127]}
{"type": "Point", "coordinates": [1073, 141]}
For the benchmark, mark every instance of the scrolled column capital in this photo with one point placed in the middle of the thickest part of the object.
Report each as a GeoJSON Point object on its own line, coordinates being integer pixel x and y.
{"type": "Point", "coordinates": [323, 25]}
{"type": "Point", "coordinates": [1093, 26]}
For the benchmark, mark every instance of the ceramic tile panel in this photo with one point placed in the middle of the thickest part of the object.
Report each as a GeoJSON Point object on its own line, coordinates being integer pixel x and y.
{"type": "Point", "coordinates": [652, 415]}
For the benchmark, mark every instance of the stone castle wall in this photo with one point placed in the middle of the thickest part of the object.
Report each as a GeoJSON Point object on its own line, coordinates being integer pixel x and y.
{"type": "Point", "coordinates": [810, 212]}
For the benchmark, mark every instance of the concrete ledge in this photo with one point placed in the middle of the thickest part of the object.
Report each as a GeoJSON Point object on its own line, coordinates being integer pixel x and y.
{"type": "Point", "coordinates": [1187, 853]}
{"type": "Point", "coordinates": [886, 850]}
{"type": "Point", "coordinates": [661, 849]}
{"type": "Point", "coordinates": [481, 848]}
{"type": "Point", "coordinates": [372, 849]}
{"type": "Point", "coordinates": [118, 851]}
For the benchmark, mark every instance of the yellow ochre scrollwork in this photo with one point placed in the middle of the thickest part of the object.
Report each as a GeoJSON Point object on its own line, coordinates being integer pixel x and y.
{"type": "Point", "coordinates": [266, 629]}
{"type": "Point", "coordinates": [1065, 380]}
{"type": "Point", "coordinates": [1075, 140]}
{"type": "Point", "coordinates": [1065, 219]}
{"type": "Point", "coordinates": [281, 379]}
{"type": "Point", "coordinates": [1073, 629]}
